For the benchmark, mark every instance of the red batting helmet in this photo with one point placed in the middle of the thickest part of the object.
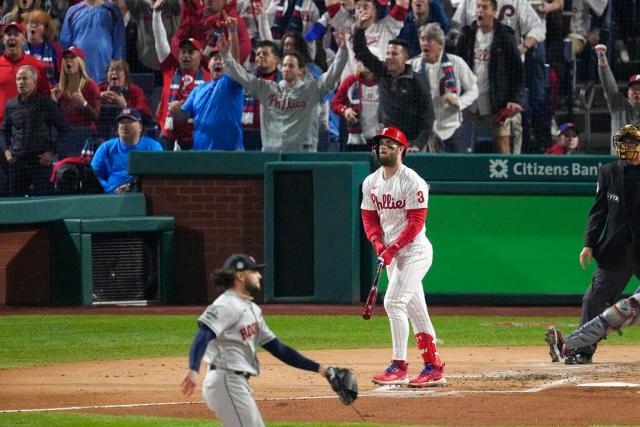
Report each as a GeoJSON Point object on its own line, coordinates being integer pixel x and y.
{"type": "Point", "coordinates": [392, 133]}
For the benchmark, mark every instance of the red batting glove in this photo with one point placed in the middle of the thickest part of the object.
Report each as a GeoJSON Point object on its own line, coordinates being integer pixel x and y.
{"type": "Point", "coordinates": [379, 246]}
{"type": "Point", "coordinates": [387, 255]}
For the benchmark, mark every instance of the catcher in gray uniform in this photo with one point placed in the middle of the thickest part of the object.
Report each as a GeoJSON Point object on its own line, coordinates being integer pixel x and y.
{"type": "Point", "coordinates": [229, 332]}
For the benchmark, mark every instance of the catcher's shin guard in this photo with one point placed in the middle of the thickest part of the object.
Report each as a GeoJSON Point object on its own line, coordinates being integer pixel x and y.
{"type": "Point", "coordinates": [620, 315]}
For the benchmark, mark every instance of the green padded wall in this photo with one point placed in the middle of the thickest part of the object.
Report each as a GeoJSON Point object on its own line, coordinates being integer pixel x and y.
{"type": "Point", "coordinates": [507, 245]}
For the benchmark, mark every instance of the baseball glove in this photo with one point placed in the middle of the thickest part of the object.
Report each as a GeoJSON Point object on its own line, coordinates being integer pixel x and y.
{"type": "Point", "coordinates": [343, 382]}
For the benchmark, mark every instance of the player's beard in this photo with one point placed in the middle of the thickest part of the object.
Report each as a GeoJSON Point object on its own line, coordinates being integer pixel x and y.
{"type": "Point", "coordinates": [389, 159]}
{"type": "Point", "coordinates": [252, 285]}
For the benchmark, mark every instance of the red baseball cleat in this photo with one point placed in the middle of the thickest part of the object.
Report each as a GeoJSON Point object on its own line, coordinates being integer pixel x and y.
{"type": "Point", "coordinates": [392, 375]}
{"type": "Point", "coordinates": [429, 377]}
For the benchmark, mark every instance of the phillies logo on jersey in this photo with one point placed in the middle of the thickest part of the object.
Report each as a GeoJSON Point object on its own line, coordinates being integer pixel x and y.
{"type": "Point", "coordinates": [506, 11]}
{"type": "Point", "coordinates": [249, 330]}
{"type": "Point", "coordinates": [387, 202]}
{"type": "Point", "coordinates": [286, 104]}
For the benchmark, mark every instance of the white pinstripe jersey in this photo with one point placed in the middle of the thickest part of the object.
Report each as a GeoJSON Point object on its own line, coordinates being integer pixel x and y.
{"type": "Point", "coordinates": [240, 329]}
{"type": "Point", "coordinates": [392, 197]}
{"type": "Point", "coordinates": [517, 14]}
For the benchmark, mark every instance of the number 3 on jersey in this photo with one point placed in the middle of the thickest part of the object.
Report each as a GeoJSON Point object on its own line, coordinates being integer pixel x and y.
{"type": "Point", "coordinates": [420, 197]}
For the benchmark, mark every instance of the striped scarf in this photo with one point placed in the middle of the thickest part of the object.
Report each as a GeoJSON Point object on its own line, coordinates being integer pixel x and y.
{"type": "Point", "coordinates": [251, 108]}
{"type": "Point", "coordinates": [290, 19]}
{"type": "Point", "coordinates": [449, 74]}
{"type": "Point", "coordinates": [45, 53]}
{"type": "Point", "coordinates": [175, 90]}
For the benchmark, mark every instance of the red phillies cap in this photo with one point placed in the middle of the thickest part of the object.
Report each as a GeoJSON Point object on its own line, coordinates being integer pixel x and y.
{"type": "Point", "coordinates": [18, 26]}
{"type": "Point", "coordinates": [75, 51]}
{"type": "Point", "coordinates": [195, 43]}
{"type": "Point", "coordinates": [635, 79]}
{"type": "Point", "coordinates": [392, 133]}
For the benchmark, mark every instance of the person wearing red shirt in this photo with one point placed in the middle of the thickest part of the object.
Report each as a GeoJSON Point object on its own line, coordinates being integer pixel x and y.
{"type": "Point", "coordinates": [12, 59]}
{"type": "Point", "coordinates": [204, 20]}
{"type": "Point", "coordinates": [567, 142]}
{"type": "Point", "coordinates": [78, 98]}
{"type": "Point", "coordinates": [118, 90]}
{"type": "Point", "coordinates": [179, 77]}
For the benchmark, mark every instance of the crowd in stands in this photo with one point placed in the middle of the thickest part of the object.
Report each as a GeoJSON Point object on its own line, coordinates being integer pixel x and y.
{"type": "Point", "coordinates": [299, 75]}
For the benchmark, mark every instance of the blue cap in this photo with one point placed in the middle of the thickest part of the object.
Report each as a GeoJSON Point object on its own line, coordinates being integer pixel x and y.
{"type": "Point", "coordinates": [129, 113]}
{"type": "Point", "coordinates": [242, 262]}
{"type": "Point", "coordinates": [567, 127]}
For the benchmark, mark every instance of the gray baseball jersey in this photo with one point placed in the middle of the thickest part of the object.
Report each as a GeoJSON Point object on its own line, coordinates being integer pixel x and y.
{"type": "Point", "coordinates": [240, 329]}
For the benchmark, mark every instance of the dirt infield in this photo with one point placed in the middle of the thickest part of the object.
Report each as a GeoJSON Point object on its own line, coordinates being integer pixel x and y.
{"type": "Point", "coordinates": [486, 386]}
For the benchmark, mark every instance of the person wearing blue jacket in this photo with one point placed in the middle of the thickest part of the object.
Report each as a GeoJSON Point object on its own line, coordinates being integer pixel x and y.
{"type": "Point", "coordinates": [111, 160]}
{"type": "Point", "coordinates": [97, 27]}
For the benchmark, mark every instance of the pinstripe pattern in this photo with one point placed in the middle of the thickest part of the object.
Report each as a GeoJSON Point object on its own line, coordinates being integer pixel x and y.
{"type": "Point", "coordinates": [404, 299]}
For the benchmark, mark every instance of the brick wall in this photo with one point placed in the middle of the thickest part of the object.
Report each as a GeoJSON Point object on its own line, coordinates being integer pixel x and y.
{"type": "Point", "coordinates": [215, 216]}
{"type": "Point", "coordinates": [24, 265]}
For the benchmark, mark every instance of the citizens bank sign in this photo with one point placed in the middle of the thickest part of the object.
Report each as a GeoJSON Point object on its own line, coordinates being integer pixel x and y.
{"type": "Point", "coordinates": [518, 169]}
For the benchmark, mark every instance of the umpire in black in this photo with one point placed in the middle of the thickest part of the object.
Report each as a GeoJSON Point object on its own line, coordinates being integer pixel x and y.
{"type": "Point", "coordinates": [26, 137]}
{"type": "Point", "coordinates": [613, 232]}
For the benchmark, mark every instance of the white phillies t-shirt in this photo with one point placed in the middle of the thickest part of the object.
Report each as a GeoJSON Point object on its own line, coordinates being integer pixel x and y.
{"type": "Point", "coordinates": [240, 329]}
{"type": "Point", "coordinates": [392, 197]}
{"type": "Point", "coordinates": [481, 56]}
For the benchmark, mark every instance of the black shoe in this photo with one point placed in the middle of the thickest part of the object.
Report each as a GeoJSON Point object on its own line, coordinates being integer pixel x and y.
{"type": "Point", "coordinates": [579, 359]}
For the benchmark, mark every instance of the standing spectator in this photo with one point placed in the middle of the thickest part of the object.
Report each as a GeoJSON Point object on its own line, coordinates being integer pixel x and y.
{"type": "Point", "coordinates": [118, 90]}
{"type": "Point", "coordinates": [357, 100]}
{"type": "Point", "coordinates": [530, 33]}
{"type": "Point", "coordinates": [78, 98]}
{"type": "Point", "coordinates": [179, 78]}
{"type": "Point", "coordinates": [41, 34]}
{"type": "Point", "coordinates": [11, 60]}
{"type": "Point", "coordinates": [289, 108]}
{"type": "Point", "coordinates": [266, 67]}
{"type": "Point", "coordinates": [96, 27]}
{"type": "Point", "coordinates": [284, 16]}
{"type": "Point", "coordinates": [26, 139]}
{"type": "Point", "coordinates": [405, 98]}
{"type": "Point", "coordinates": [111, 161]}
{"type": "Point", "coordinates": [216, 106]}
{"type": "Point", "coordinates": [454, 87]}
{"type": "Point", "coordinates": [422, 12]}
{"type": "Point", "coordinates": [623, 110]}
{"type": "Point", "coordinates": [19, 8]}
{"type": "Point", "coordinates": [491, 52]}
{"type": "Point", "coordinates": [141, 11]}
{"type": "Point", "coordinates": [205, 22]}
{"type": "Point", "coordinates": [567, 142]}
{"type": "Point", "coordinates": [378, 32]}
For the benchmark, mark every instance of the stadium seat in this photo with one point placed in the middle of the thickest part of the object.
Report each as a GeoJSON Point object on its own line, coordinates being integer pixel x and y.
{"type": "Point", "coordinates": [106, 120]}
{"type": "Point", "coordinates": [251, 139]}
{"type": "Point", "coordinates": [154, 100]}
{"type": "Point", "coordinates": [146, 81]}
{"type": "Point", "coordinates": [73, 142]}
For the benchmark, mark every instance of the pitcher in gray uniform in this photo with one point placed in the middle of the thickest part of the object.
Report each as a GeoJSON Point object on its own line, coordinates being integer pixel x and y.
{"type": "Point", "coordinates": [229, 332]}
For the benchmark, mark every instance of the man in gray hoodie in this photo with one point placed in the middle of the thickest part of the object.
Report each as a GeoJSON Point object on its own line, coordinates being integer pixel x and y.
{"type": "Point", "coordinates": [289, 107]}
{"type": "Point", "coordinates": [623, 110]}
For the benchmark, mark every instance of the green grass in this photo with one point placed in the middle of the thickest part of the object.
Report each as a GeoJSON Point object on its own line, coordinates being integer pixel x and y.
{"type": "Point", "coordinates": [49, 339]}
{"type": "Point", "coordinates": [69, 420]}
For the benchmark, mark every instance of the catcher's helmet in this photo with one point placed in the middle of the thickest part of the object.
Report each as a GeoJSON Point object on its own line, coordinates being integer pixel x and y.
{"type": "Point", "coordinates": [627, 142]}
{"type": "Point", "coordinates": [392, 133]}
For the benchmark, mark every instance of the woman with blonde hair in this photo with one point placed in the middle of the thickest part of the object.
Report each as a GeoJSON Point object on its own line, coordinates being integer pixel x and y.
{"type": "Point", "coordinates": [78, 97]}
{"type": "Point", "coordinates": [19, 8]}
{"type": "Point", "coordinates": [41, 32]}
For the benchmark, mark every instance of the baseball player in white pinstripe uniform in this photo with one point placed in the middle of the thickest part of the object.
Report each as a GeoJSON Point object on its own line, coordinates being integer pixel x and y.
{"type": "Point", "coordinates": [394, 208]}
{"type": "Point", "coordinates": [229, 333]}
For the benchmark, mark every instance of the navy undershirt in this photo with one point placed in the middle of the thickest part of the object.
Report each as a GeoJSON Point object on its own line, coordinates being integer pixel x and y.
{"type": "Point", "coordinates": [279, 350]}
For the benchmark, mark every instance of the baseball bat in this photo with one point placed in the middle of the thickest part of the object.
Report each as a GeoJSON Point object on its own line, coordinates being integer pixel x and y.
{"type": "Point", "coordinates": [373, 294]}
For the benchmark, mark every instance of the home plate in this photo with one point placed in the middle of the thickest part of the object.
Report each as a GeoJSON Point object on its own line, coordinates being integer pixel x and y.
{"type": "Point", "coordinates": [609, 384]}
